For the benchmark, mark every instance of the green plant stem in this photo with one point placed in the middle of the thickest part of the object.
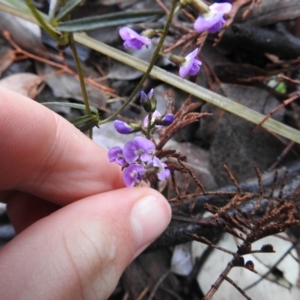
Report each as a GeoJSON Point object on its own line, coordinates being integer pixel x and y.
{"type": "Point", "coordinates": [151, 64]}
{"type": "Point", "coordinates": [81, 79]}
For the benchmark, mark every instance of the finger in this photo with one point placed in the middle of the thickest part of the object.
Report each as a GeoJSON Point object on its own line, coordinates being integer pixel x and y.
{"type": "Point", "coordinates": [43, 154]}
{"type": "Point", "coordinates": [24, 210]}
{"type": "Point", "coordinates": [81, 250]}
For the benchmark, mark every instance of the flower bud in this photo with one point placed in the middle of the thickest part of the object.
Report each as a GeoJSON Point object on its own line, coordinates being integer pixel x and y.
{"type": "Point", "coordinates": [125, 128]}
{"type": "Point", "coordinates": [165, 120]}
{"type": "Point", "coordinates": [148, 101]}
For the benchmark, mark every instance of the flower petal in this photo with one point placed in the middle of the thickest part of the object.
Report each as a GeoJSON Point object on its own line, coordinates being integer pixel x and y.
{"type": "Point", "coordinates": [138, 147]}
{"type": "Point", "coordinates": [190, 61]}
{"type": "Point", "coordinates": [213, 20]}
{"type": "Point", "coordinates": [155, 115]}
{"type": "Point", "coordinates": [132, 39]}
{"type": "Point", "coordinates": [133, 174]}
{"type": "Point", "coordinates": [224, 8]}
{"type": "Point", "coordinates": [122, 127]}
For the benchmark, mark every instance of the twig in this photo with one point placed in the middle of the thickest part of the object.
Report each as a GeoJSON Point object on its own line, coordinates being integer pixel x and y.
{"type": "Point", "coordinates": [237, 287]}
{"type": "Point", "coordinates": [271, 269]}
{"type": "Point", "coordinates": [158, 283]}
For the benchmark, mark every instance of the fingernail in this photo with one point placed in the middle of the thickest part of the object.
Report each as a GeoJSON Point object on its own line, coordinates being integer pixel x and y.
{"type": "Point", "coordinates": [149, 218]}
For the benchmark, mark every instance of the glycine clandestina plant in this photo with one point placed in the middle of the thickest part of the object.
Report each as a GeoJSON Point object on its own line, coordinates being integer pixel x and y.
{"type": "Point", "coordinates": [137, 156]}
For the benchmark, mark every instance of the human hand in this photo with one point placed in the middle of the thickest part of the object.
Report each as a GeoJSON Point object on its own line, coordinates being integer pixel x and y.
{"type": "Point", "coordinates": [78, 227]}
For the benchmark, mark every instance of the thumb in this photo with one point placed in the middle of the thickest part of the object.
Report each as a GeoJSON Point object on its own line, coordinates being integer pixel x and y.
{"type": "Point", "coordinates": [81, 250]}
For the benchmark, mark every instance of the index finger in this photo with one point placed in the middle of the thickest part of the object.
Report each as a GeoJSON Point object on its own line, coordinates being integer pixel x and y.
{"type": "Point", "coordinates": [44, 155]}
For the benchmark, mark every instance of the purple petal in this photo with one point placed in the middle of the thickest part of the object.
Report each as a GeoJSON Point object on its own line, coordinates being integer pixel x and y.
{"type": "Point", "coordinates": [224, 8]}
{"type": "Point", "coordinates": [150, 94]}
{"type": "Point", "coordinates": [167, 119]}
{"type": "Point", "coordinates": [139, 147]}
{"type": "Point", "coordinates": [144, 96]}
{"type": "Point", "coordinates": [191, 64]}
{"type": "Point", "coordinates": [202, 24]}
{"type": "Point", "coordinates": [217, 27]}
{"type": "Point", "coordinates": [162, 172]}
{"type": "Point", "coordinates": [115, 154]}
{"type": "Point", "coordinates": [163, 175]}
{"type": "Point", "coordinates": [213, 20]}
{"type": "Point", "coordinates": [195, 68]}
{"type": "Point", "coordinates": [193, 54]}
{"type": "Point", "coordinates": [122, 127]}
{"type": "Point", "coordinates": [155, 115]}
{"type": "Point", "coordinates": [133, 174]}
{"type": "Point", "coordinates": [135, 44]}
{"type": "Point", "coordinates": [132, 39]}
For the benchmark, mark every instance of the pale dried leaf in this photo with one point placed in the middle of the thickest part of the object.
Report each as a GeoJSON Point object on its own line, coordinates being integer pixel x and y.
{"type": "Point", "coordinates": [25, 84]}
{"type": "Point", "coordinates": [7, 60]}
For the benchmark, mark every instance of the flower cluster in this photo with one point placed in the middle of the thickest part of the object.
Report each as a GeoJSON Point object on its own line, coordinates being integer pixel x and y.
{"type": "Point", "coordinates": [137, 157]}
{"type": "Point", "coordinates": [138, 161]}
{"type": "Point", "coordinates": [213, 20]}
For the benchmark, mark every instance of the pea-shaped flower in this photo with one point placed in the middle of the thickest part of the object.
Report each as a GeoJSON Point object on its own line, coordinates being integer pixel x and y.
{"type": "Point", "coordinates": [132, 39]}
{"type": "Point", "coordinates": [191, 65]}
{"type": "Point", "coordinates": [138, 148]}
{"type": "Point", "coordinates": [115, 154]}
{"type": "Point", "coordinates": [162, 171]}
{"type": "Point", "coordinates": [133, 175]}
{"type": "Point", "coordinates": [213, 20]}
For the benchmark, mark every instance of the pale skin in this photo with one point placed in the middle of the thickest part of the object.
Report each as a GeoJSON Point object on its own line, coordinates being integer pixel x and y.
{"type": "Point", "coordinates": [77, 226]}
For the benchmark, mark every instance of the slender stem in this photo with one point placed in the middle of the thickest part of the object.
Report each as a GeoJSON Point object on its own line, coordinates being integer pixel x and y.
{"type": "Point", "coordinates": [81, 78]}
{"type": "Point", "coordinates": [219, 281]}
{"type": "Point", "coordinates": [151, 64]}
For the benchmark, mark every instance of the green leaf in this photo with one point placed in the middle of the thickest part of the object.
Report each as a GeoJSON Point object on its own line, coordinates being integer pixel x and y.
{"type": "Point", "coordinates": [66, 9]}
{"type": "Point", "coordinates": [52, 8]}
{"type": "Point", "coordinates": [73, 105]}
{"type": "Point", "coordinates": [86, 122]}
{"type": "Point", "coordinates": [281, 88]}
{"type": "Point", "coordinates": [114, 19]}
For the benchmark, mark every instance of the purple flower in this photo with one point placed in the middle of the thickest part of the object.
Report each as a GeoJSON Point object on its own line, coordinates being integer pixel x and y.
{"type": "Point", "coordinates": [133, 39]}
{"type": "Point", "coordinates": [123, 127]}
{"type": "Point", "coordinates": [213, 20]}
{"type": "Point", "coordinates": [116, 154]}
{"type": "Point", "coordinates": [167, 120]}
{"type": "Point", "coordinates": [133, 175]}
{"type": "Point", "coordinates": [138, 147]}
{"type": "Point", "coordinates": [191, 65]}
{"type": "Point", "coordinates": [146, 97]}
{"type": "Point", "coordinates": [162, 172]}
{"type": "Point", "coordinates": [155, 115]}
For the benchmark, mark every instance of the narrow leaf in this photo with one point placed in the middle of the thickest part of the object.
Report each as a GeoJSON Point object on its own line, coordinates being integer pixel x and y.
{"type": "Point", "coordinates": [52, 8]}
{"type": "Point", "coordinates": [114, 19]}
{"type": "Point", "coordinates": [66, 9]}
{"type": "Point", "coordinates": [73, 105]}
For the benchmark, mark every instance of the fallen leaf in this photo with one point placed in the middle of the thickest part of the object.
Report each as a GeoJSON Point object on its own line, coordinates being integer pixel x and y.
{"type": "Point", "coordinates": [25, 84]}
